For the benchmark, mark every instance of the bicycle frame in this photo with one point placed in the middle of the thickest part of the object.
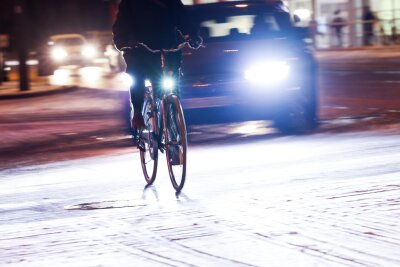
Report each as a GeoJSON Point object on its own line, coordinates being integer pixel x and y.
{"type": "Point", "coordinates": [157, 106]}
{"type": "Point", "coordinates": [165, 129]}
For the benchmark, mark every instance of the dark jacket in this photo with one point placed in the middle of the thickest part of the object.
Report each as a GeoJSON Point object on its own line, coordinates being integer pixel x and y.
{"type": "Point", "coordinates": [153, 22]}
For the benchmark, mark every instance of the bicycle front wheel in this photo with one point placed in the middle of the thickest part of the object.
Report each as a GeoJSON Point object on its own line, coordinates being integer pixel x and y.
{"type": "Point", "coordinates": [148, 145]}
{"type": "Point", "coordinates": [175, 141]}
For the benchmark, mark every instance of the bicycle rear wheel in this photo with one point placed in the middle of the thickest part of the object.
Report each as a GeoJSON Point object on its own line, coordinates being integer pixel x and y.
{"type": "Point", "coordinates": [175, 141]}
{"type": "Point", "coordinates": [148, 144]}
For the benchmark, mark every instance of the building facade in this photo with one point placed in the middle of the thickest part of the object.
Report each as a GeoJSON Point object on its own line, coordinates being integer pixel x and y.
{"type": "Point", "coordinates": [386, 27]}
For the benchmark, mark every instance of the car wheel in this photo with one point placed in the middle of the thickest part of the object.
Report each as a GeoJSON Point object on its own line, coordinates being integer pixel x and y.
{"type": "Point", "coordinates": [299, 115]}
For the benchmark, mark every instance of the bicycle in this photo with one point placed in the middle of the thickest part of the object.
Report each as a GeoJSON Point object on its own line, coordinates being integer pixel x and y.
{"type": "Point", "coordinates": [165, 128]}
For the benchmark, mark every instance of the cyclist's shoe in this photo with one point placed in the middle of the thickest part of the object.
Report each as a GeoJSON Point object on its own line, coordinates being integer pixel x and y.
{"type": "Point", "coordinates": [138, 122]}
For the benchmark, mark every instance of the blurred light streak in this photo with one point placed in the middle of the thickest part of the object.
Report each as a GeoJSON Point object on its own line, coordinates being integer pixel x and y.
{"type": "Point", "coordinates": [100, 60]}
{"type": "Point", "coordinates": [61, 76]}
{"type": "Point", "coordinates": [13, 63]}
{"type": "Point", "coordinates": [90, 74]}
{"type": "Point", "coordinates": [252, 128]}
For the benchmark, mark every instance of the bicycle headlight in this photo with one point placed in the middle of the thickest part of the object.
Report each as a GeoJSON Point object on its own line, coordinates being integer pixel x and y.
{"type": "Point", "coordinates": [59, 53]}
{"type": "Point", "coordinates": [168, 83]}
{"type": "Point", "coordinates": [268, 72]}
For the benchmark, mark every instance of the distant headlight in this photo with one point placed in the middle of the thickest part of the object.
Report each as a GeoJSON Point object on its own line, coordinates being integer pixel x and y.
{"type": "Point", "coordinates": [268, 72]}
{"type": "Point", "coordinates": [89, 52]}
{"type": "Point", "coordinates": [168, 83]}
{"type": "Point", "coordinates": [59, 53]}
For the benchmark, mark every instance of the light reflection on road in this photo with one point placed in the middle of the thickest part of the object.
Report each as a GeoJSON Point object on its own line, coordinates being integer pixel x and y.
{"type": "Point", "coordinates": [96, 77]}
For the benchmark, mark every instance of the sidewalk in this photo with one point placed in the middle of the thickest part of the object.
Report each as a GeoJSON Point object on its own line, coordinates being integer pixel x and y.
{"type": "Point", "coordinates": [372, 52]}
{"type": "Point", "coordinates": [362, 48]}
{"type": "Point", "coordinates": [10, 90]}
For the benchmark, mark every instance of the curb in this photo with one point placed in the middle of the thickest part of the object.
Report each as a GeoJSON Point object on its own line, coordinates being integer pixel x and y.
{"type": "Point", "coordinates": [28, 94]}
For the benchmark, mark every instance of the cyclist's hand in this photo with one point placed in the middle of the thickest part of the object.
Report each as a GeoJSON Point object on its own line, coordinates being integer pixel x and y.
{"type": "Point", "coordinates": [195, 42]}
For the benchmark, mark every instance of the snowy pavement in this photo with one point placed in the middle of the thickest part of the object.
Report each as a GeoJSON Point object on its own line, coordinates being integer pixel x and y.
{"type": "Point", "coordinates": [318, 200]}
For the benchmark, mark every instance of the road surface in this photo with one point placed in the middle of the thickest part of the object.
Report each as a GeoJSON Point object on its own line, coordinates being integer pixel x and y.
{"type": "Point", "coordinates": [318, 200]}
{"type": "Point", "coordinates": [253, 197]}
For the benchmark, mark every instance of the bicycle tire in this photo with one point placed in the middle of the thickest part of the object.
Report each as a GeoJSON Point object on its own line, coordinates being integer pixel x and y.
{"type": "Point", "coordinates": [174, 124]}
{"type": "Point", "coordinates": [149, 153]}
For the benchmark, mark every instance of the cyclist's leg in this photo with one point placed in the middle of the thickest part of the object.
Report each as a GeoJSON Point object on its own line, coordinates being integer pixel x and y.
{"type": "Point", "coordinates": [137, 70]}
{"type": "Point", "coordinates": [136, 95]}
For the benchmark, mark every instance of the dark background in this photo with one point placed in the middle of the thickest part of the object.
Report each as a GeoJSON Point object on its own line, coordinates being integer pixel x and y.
{"type": "Point", "coordinates": [48, 17]}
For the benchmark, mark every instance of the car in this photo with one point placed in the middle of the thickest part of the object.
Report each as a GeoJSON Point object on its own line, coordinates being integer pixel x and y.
{"type": "Point", "coordinates": [65, 49]}
{"type": "Point", "coordinates": [107, 50]}
{"type": "Point", "coordinates": [254, 65]}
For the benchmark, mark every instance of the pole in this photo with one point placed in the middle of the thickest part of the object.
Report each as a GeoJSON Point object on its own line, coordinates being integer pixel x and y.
{"type": "Point", "coordinates": [313, 23]}
{"type": "Point", "coordinates": [394, 28]}
{"type": "Point", "coordinates": [1, 67]}
{"type": "Point", "coordinates": [314, 10]}
{"type": "Point", "coordinates": [394, 13]}
{"type": "Point", "coordinates": [351, 11]}
{"type": "Point", "coordinates": [21, 38]}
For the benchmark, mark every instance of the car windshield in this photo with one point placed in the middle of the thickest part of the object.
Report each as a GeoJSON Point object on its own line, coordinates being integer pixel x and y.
{"type": "Point", "coordinates": [69, 41]}
{"type": "Point", "coordinates": [228, 27]}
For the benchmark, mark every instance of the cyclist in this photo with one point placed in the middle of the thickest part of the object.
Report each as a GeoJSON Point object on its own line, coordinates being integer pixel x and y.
{"type": "Point", "coordinates": [158, 24]}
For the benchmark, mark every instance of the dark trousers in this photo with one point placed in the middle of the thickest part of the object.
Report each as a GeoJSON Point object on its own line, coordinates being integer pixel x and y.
{"type": "Point", "coordinates": [143, 65]}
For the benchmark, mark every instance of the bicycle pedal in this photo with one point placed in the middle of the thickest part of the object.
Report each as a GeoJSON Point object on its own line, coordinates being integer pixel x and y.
{"type": "Point", "coordinates": [140, 145]}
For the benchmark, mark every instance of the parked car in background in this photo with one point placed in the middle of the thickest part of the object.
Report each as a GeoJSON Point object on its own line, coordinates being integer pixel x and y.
{"type": "Point", "coordinates": [254, 65]}
{"type": "Point", "coordinates": [65, 49]}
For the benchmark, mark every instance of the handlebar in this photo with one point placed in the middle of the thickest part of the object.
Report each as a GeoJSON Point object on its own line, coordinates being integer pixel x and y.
{"type": "Point", "coordinates": [172, 50]}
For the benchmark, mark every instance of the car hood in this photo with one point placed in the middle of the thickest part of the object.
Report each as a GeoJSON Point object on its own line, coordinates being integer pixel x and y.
{"type": "Point", "coordinates": [226, 58]}
{"type": "Point", "coordinates": [72, 48]}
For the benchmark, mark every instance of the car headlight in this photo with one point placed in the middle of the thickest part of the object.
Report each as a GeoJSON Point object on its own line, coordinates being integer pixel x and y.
{"type": "Point", "coordinates": [168, 83]}
{"type": "Point", "coordinates": [89, 52]}
{"type": "Point", "coordinates": [268, 72]}
{"type": "Point", "coordinates": [59, 53]}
